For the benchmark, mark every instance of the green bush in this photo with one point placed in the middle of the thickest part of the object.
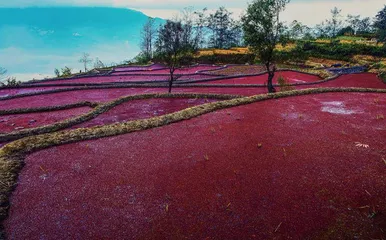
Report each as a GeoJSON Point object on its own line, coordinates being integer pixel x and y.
{"type": "Point", "coordinates": [338, 51]}
{"type": "Point", "coordinates": [11, 82]}
{"type": "Point", "coordinates": [141, 59]}
{"type": "Point", "coordinates": [382, 76]}
{"type": "Point", "coordinates": [66, 72]}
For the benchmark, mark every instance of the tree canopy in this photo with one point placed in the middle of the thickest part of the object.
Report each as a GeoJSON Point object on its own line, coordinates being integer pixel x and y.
{"type": "Point", "coordinates": [380, 25]}
{"type": "Point", "coordinates": [171, 47]}
{"type": "Point", "coordinates": [263, 31]}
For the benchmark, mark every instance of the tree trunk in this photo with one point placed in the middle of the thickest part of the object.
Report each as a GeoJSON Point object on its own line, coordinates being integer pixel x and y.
{"type": "Point", "coordinates": [271, 75]}
{"type": "Point", "coordinates": [171, 81]}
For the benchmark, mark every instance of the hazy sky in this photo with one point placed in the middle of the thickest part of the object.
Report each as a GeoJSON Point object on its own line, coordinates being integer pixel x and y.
{"type": "Point", "coordinates": [309, 12]}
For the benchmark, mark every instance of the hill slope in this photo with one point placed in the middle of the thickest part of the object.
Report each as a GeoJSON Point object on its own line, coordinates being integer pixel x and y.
{"type": "Point", "coordinates": [36, 40]}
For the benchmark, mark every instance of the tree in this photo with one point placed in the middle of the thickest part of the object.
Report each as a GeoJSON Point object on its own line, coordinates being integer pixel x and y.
{"type": "Point", "coordinates": [187, 21]}
{"type": "Point", "coordinates": [353, 22]}
{"type": "Point", "coordinates": [57, 72]}
{"type": "Point", "coordinates": [171, 48]}
{"type": "Point", "coordinates": [98, 63]}
{"type": "Point", "coordinates": [380, 25]}
{"type": "Point", "coordinates": [297, 30]}
{"type": "Point", "coordinates": [263, 31]}
{"type": "Point", "coordinates": [201, 21]}
{"type": "Point", "coordinates": [321, 30]}
{"type": "Point", "coordinates": [148, 34]}
{"type": "Point", "coordinates": [335, 23]}
{"type": "Point", "coordinates": [365, 26]}
{"type": "Point", "coordinates": [66, 72]}
{"type": "Point", "coordinates": [221, 25]}
{"type": "Point", "coordinates": [360, 26]}
{"type": "Point", "coordinates": [86, 60]}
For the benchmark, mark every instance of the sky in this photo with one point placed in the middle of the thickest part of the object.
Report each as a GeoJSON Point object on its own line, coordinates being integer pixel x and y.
{"type": "Point", "coordinates": [26, 64]}
{"type": "Point", "coordinates": [309, 12]}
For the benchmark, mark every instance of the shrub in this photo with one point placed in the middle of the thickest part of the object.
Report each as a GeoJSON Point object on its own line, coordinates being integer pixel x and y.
{"type": "Point", "coordinates": [339, 51]}
{"type": "Point", "coordinates": [382, 76]}
{"type": "Point", "coordinates": [66, 72]}
{"type": "Point", "coordinates": [57, 72]}
{"type": "Point", "coordinates": [11, 82]}
{"type": "Point", "coordinates": [141, 59]}
{"type": "Point", "coordinates": [284, 85]}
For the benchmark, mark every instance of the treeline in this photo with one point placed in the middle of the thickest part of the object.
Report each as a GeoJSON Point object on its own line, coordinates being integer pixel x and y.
{"type": "Point", "coordinates": [199, 29]}
{"type": "Point", "coordinates": [261, 30]}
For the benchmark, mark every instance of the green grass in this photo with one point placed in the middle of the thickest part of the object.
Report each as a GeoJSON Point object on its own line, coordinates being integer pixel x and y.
{"type": "Point", "coordinates": [351, 38]}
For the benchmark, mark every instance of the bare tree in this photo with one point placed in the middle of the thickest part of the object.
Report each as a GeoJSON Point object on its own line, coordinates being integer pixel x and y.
{"type": "Point", "coordinates": [354, 22]}
{"type": "Point", "coordinates": [220, 23]}
{"type": "Point", "coordinates": [187, 21]}
{"type": "Point", "coordinates": [86, 60]}
{"type": "Point", "coordinates": [335, 23]}
{"type": "Point", "coordinates": [98, 63]}
{"type": "Point", "coordinates": [148, 34]}
{"type": "Point", "coordinates": [200, 23]}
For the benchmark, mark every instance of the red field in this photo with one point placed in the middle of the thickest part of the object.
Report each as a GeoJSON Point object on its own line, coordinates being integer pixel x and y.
{"type": "Point", "coordinates": [190, 70]}
{"type": "Point", "coordinates": [301, 167]}
{"type": "Point", "coordinates": [141, 109]}
{"type": "Point", "coordinates": [178, 181]}
{"type": "Point", "coordinates": [292, 78]}
{"type": "Point", "coordinates": [9, 123]}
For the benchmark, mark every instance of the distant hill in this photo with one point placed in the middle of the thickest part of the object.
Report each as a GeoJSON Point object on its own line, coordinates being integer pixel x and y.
{"type": "Point", "coordinates": [46, 37]}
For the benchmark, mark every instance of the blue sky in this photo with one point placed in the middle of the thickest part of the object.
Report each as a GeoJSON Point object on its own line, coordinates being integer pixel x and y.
{"type": "Point", "coordinates": [307, 11]}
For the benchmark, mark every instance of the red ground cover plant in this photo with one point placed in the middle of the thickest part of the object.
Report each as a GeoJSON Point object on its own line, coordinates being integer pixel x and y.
{"type": "Point", "coordinates": [105, 95]}
{"type": "Point", "coordinates": [187, 70]}
{"type": "Point", "coordinates": [109, 79]}
{"type": "Point", "coordinates": [141, 109]}
{"type": "Point", "coordinates": [239, 70]}
{"type": "Point", "coordinates": [140, 68]}
{"type": "Point", "coordinates": [292, 169]}
{"type": "Point", "coordinates": [9, 123]}
{"type": "Point", "coordinates": [368, 80]}
{"type": "Point", "coordinates": [292, 77]}
{"type": "Point", "coordinates": [14, 91]}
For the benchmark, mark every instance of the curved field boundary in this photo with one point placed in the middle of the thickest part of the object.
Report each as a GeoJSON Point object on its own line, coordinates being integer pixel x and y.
{"type": "Point", "coordinates": [252, 75]}
{"type": "Point", "coordinates": [211, 77]}
{"type": "Point", "coordinates": [225, 67]}
{"type": "Point", "coordinates": [32, 82]}
{"type": "Point", "coordinates": [108, 75]}
{"type": "Point", "coordinates": [181, 84]}
{"type": "Point", "coordinates": [98, 110]}
{"type": "Point", "coordinates": [13, 154]}
{"type": "Point", "coordinates": [136, 66]}
{"type": "Point", "coordinates": [47, 109]}
{"type": "Point", "coordinates": [218, 67]}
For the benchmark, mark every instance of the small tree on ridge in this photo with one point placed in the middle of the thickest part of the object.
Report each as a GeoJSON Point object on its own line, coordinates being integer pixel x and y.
{"type": "Point", "coordinates": [86, 60]}
{"type": "Point", "coordinates": [263, 31]}
{"type": "Point", "coordinates": [171, 49]}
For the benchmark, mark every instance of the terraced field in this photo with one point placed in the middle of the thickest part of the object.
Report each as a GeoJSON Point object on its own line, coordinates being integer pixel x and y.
{"type": "Point", "coordinates": [115, 156]}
